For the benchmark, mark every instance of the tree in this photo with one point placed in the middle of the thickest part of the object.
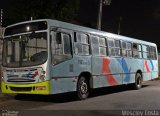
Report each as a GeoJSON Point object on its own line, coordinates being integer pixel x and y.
{"type": "Point", "coordinates": [22, 10]}
{"type": "Point", "coordinates": [67, 9]}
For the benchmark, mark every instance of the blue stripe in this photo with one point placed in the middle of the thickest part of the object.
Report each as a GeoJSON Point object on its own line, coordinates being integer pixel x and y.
{"type": "Point", "coordinates": [125, 69]}
{"type": "Point", "coordinates": [152, 64]}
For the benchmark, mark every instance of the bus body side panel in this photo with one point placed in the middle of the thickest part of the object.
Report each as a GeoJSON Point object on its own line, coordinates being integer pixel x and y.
{"type": "Point", "coordinates": [106, 72]}
{"type": "Point", "coordinates": [99, 80]}
{"type": "Point", "coordinates": [128, 77]}
{"type": "Point", "coordinates": [64, 76]}
{"type": "Point", "coordinates": [154, 68]}
{"type": "Point", "coordinates": [130, 67]}
{"type": "Point", "coordinates": [116, 69]}
{"type": "Point", "coordinates": [147, 75]}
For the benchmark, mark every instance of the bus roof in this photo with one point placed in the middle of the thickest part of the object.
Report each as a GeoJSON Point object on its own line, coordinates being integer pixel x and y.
{"type": "Point", "coordinates": [60, 24]}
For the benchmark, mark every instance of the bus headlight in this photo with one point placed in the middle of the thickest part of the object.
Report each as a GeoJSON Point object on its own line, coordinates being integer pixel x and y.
{"type": "Point", "coordinates": [42, 77]}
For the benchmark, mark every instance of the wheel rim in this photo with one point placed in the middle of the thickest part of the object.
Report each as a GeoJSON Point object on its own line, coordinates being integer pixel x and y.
{"type": "Point", "coordinates": [139, 81]}
{"type": "Point", "coordinates": [83, 87]}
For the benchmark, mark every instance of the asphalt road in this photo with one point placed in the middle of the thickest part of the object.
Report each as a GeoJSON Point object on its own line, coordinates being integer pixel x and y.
{"type": "Point", "coordinates": [102, 101]}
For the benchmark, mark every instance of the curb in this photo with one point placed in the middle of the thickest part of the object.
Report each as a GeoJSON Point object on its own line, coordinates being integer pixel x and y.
{"type": "Point", "coordinates": [5, 97]}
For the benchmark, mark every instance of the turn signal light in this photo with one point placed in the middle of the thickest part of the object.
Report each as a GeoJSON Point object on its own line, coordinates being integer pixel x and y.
{"type": "Point", "coordinates": [41, 88]}
{"type": "Point", "coordinates": [35, 73]}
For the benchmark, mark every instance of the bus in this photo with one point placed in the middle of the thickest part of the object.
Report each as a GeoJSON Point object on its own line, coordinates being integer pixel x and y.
{"type": "Point", "coordinates": [51, 57]}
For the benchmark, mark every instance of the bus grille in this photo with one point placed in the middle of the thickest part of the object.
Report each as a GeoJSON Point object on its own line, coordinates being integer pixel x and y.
{"type": "Point", "coordinates": [21, 88]}
{"type": "Point", "coordinates": [20, 80]}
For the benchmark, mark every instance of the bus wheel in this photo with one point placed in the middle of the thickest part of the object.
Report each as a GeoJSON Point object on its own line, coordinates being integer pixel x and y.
{"type": "Point", "coordinates": [82, 88]}
{"type": "Point", "coordinates": [138, 81]}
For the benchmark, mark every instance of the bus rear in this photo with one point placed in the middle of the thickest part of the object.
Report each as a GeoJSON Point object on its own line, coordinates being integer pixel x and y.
{"type": "Point", "coordinates": [25, 59]}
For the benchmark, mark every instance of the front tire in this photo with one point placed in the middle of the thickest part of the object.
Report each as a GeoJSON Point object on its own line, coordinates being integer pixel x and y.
{"type": "Point", "coordinates": [83, 88]}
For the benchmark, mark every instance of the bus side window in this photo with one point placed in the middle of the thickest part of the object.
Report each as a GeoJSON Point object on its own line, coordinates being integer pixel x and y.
{"type": "Point", "coordinates": [145, 50]}
{"type": "Point", "coordinates": [117, 48]}
{"type": "Point", "coordinates": [67, 44]}
{"type": "Point", "coordinates": [110, 47]}
{"type": "Point", "coordinates": [81, 44]}
{"type": "Point", "coordinates": [124, 47]}
{"type": "Point", "coordinates": [148, 50]}
{"type": "Point", "coordinates": [135, 50]}
{"type": "Point", "coordinates": [139, 51]}
{"type": "Point", "coordinates": [60, 47]}
{"type": "Point", "coordinates": [102, 46]}
{"type": "Point", "coordinates": [95, 45]}
{"type": "Point", "coordinates": [99, 47]}
{"type": "Point", "coordinates": [153, 53]}
{"type": "Point", "coordinates": [129, 49]}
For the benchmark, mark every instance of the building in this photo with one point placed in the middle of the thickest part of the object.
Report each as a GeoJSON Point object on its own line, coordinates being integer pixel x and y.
{"type": "Point", "coordinates": [1, 37]}
{"type": "Point", "coordinates": [1, 42]}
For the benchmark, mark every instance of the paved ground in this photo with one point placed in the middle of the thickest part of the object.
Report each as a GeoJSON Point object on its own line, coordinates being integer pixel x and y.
{"type": "Point", "coordinates": [119, 98]}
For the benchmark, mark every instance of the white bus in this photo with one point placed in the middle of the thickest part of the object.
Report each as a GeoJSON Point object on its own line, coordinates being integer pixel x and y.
{"type": "Point", "coordinates": [50, 57]}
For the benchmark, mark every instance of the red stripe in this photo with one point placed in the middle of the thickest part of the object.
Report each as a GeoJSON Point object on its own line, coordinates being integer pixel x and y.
{"type": "Point", "coordinates": [105, 66]}
{"type": "Point", "coordinates": [106, 70]}
{"type": "Point", "coordinates": [111, 80]}
{"type": "Point", "coordinates": [146, 66]}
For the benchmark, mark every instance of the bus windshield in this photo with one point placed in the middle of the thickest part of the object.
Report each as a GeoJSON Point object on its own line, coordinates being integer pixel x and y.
{"type": "Point", "coordinates": [25, 50]}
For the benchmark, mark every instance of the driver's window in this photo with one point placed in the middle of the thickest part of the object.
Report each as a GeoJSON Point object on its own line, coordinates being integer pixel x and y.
{"type": "Point", "coordinates": [61, 47]}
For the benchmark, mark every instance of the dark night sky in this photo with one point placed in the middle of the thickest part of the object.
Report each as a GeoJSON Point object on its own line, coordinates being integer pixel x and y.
{"type": "Point", "coordinates": [140, 18]}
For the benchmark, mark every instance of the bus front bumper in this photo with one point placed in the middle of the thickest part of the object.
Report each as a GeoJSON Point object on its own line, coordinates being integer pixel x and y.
{"type": "Point", "coordinates": [36, 88]}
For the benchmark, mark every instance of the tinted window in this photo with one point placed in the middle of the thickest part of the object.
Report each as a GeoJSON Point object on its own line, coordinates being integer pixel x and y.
{"type": "Point", "coordinates": [27, 27]}
{"type": "Point", "coordinates": [102, 41]}
{"type": "Point", "coordinates": [145, 50]}
{"type": "Point", "coordinates": [153, 54]}
{"type": "Point", "coordinates": [61, 47]}
{"type": "Point", "coordinates": [67, 44]}
{"type": "Point", "coordinates": [94, 40]}
{"type": "Point", "coordinates": [110, 43]}
{"type": "Point", "coordinates": [99, 47]}
{"type": "Point", "coordinates": [102, 46]}
{"type": "Point", "coordinates": [95, 45]}
{"type": "Point", "coordinates": [124, 51]}
{"type": "Point", "coordinates": [25, 51]}
{"type": "Point", "coordinates": [81, 44]}
{"type": "Point", "coordinates": [129, 49]}
{"type": "Point", "coordinates": [114, 47]}
{"type": "Point", "coordinates": [137, 50]}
